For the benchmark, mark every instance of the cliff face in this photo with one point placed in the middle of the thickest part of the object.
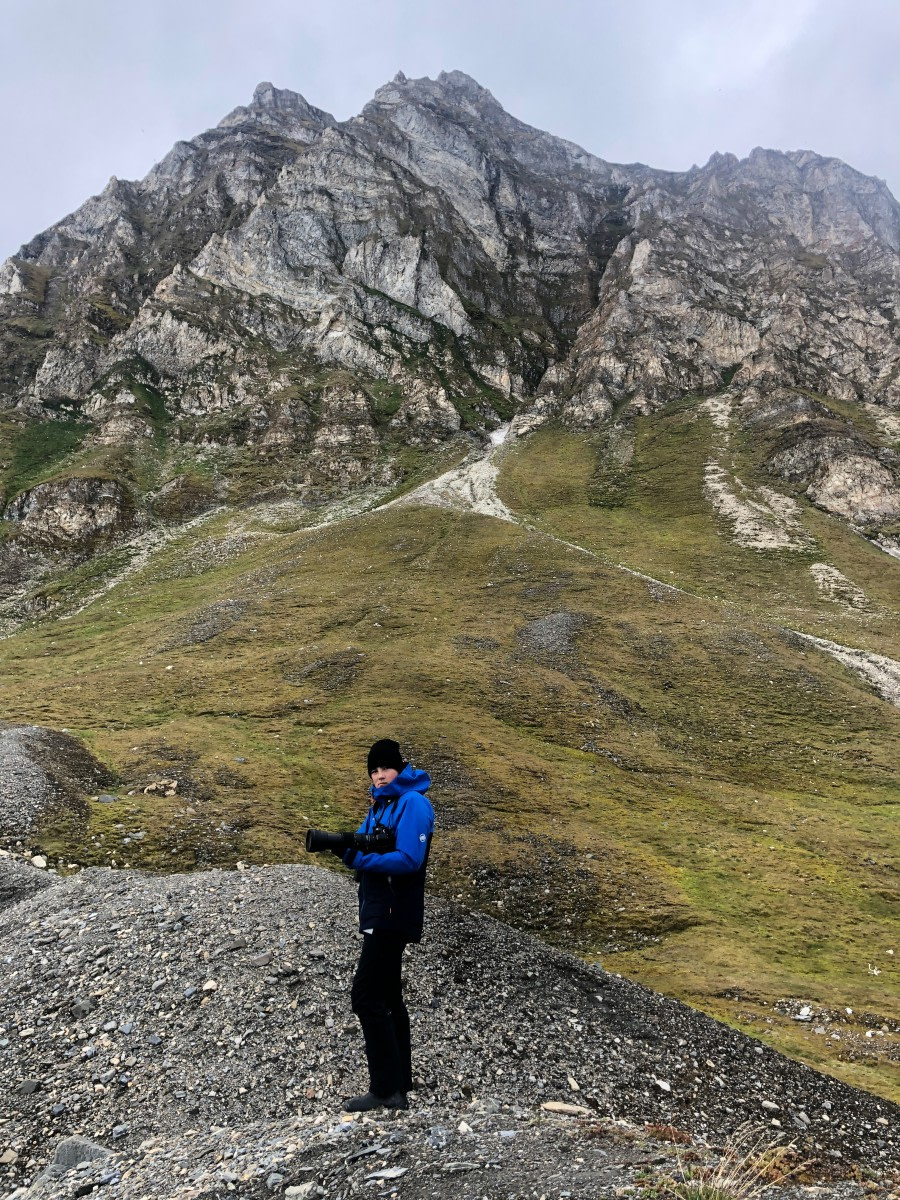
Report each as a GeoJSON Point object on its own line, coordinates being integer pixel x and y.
{"type": "Point", "coordinates": [333, 291]}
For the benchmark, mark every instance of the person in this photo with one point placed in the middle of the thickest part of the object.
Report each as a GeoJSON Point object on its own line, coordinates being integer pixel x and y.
{"type": "Point", "coordinates": [391, 915]}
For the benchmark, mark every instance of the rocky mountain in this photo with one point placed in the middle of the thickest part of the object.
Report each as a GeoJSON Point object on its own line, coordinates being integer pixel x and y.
{"type": "Point", "coordinates": [580, 479]}
{"type": "Point", "coordinates": [325, 294]}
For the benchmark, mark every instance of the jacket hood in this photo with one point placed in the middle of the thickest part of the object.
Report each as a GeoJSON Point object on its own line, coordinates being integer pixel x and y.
{"type": "Point", "coordinates": [410, 779]}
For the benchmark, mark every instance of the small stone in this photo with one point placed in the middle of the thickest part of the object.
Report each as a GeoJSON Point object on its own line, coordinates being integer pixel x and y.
{"type": "Point", "coordinates": [274, 1181]}
{"type": "Point", "coordinates": [210, 985]}
{"type": "Point", "coordinates": [663, 1085]}
{"type": "Point", "coordinates": [568, 1110]}
{"type": "Point", "coordinates": [8, 1156]}
{"type": "Point", "coordinates": [38, 860]}
{"type": "Point", "coordinates": [262, 960]}
{"type": "Point", "coordinates": [72, 1151]}
{"type": "Point", "coordinates": [28, 1087]}
{"type": "Point", "coordinates": [771, 1106]}
{"type": "Point", "coordinates": [106, 798]}
{"type": "Point", "coordinates": [81, 1008]}
{"type": "Point", "coordinates": [235, 943]}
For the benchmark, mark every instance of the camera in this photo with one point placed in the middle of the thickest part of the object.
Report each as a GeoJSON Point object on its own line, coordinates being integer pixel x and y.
{"type": "Point", "coordinates": [381, 841]}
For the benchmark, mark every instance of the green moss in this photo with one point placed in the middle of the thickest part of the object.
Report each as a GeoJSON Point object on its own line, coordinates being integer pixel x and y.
{"type": "Point", "coordinates": [33, 450]}
{"type": "Point", "coordinates": [680, 788]}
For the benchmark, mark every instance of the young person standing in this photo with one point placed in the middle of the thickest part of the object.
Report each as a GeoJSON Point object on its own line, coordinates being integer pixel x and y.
{"type": "Point", "coordinates": [391, 914]}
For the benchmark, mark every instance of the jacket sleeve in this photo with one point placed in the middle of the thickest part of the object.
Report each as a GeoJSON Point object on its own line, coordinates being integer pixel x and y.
{"type": "Point", "coordinates": [415, 823]}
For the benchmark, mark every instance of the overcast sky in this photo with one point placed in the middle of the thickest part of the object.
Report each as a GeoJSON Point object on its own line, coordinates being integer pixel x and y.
{"type": "Point", "coordinates": [93, 88]}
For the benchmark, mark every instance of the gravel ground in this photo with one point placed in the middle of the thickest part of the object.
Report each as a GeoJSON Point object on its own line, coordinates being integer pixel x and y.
{"type": "Point", "coordinates": [39, 770]}
{"type": "Point", "coordinates": [19, 879]}
{"type": "Point", "coordinates": [554, 634]}
{"type": "Point", "coordinates": [170, 1018]}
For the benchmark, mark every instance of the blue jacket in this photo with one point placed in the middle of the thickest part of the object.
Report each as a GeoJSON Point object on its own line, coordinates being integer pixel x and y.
{"type": "Point", "coordinates": [392, 885]}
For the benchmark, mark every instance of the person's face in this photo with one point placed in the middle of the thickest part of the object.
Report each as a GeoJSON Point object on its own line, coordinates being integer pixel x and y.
{"type": "Point", "coordinates": [382, 776]}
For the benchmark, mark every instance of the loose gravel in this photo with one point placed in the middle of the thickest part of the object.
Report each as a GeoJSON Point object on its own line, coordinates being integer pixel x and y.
{"type": "Point", "coordinates": [174, 1020]}
{"type": "Point", "coordinates": [41, 769]}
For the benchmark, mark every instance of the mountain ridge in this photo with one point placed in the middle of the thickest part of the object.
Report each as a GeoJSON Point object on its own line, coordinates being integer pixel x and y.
{"type": "Point", "coordinates": [671, 590]}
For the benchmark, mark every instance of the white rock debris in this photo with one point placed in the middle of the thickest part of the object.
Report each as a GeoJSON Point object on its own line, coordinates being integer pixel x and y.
{"type": "Point", "coordinates": [761, 518]}
{"type": "Point", "coordinates": [834, 585]}
{"type": "Point", "coordinates": [471, 487]}
{"type": "Point", "coordinates": [881, 672]}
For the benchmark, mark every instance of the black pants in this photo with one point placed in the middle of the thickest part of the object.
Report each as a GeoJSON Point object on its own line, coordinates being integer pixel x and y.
{"type": "Point", "coordinates": [377, 998]}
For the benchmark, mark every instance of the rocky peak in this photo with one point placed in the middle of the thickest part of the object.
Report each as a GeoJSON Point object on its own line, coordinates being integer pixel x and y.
{"type": "Point", "coordinates": [442, 253]}
{"type": "Point", "coordinates": [822, 200]}
{"type": "Point", "coordinates": [451, 89]}
{"type": "Point", "coordinates": [278, 108]}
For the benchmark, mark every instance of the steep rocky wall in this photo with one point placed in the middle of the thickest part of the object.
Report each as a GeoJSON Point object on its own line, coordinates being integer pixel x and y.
{"type": "Point", "coordinates": [454, 265]}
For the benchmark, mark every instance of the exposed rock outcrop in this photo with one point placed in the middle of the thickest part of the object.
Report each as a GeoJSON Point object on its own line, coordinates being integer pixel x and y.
{"type": "Point", "coordinates": [73, 514]}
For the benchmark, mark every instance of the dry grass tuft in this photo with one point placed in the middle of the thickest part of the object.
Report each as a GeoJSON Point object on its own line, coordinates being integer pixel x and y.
{"type": "Point", "coordinates": [752, 1161]}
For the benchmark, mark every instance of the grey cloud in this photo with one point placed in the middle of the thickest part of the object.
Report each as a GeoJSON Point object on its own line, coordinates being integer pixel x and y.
{"type": "Point", "coordinates": [100, 88]}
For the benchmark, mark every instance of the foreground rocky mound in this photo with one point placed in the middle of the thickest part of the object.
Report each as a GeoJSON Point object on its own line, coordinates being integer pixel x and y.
{"type": "Point", "coordinates": [198, 1026]}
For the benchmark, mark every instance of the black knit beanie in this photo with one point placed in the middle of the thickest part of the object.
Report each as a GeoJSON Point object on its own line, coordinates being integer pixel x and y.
{"type": "Point", "coordinates": [386, 753]}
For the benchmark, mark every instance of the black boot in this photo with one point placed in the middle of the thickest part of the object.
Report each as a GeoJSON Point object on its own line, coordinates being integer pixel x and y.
{"type": "Point", "coordinates": [369, 1101]}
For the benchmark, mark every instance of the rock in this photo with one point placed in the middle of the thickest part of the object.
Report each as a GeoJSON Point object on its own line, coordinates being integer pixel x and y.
{"type": "Point", "coordinates": [561, 1106]}
{"type": "Point", "coordinates": [19, 880]}
{"type": "Point", "coordinates": [71, 1152]}
{"type": "Point", "coordinates": [74, 514]}
{"type": "Point", "coordinates": [74, 1150]}
{"type": "Point", "coordinates": [38, 860]}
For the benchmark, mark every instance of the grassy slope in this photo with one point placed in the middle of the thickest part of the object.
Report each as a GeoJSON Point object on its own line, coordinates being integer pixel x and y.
{"type": "Point", "coordinates": [680, 787]}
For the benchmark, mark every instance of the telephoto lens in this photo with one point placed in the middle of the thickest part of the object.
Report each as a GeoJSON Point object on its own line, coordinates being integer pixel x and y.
{"type": "Point", "coordinates": [318, 840]}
